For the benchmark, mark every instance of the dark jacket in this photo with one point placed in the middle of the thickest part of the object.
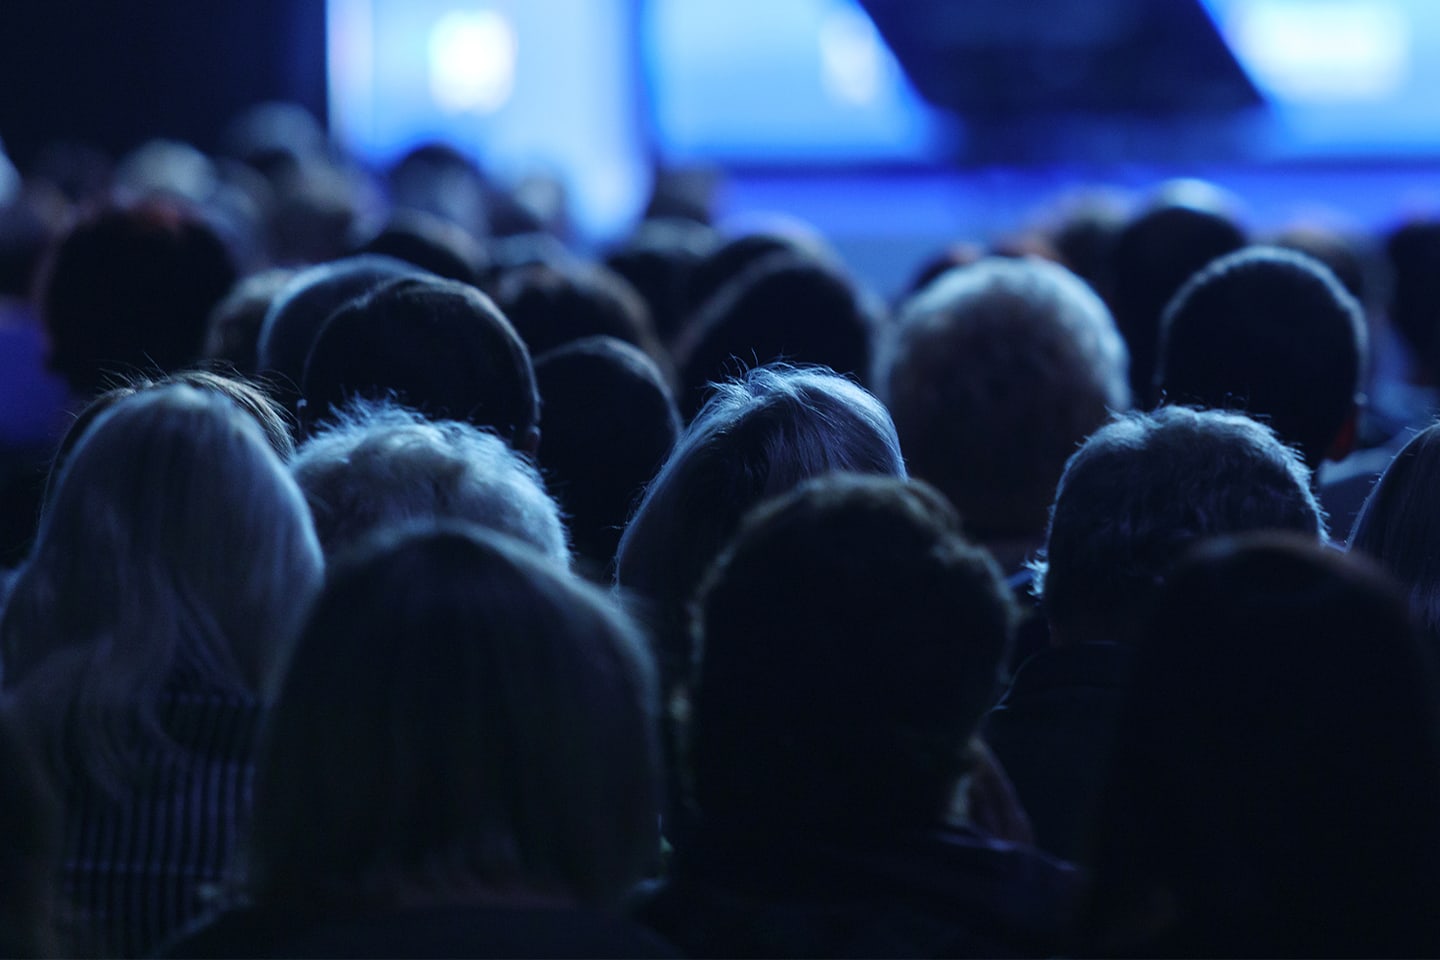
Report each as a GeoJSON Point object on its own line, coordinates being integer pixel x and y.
{"type": "Point", "coordinates": [951, 892]}
{"type": "Point", "coordinates": [1052, 733]}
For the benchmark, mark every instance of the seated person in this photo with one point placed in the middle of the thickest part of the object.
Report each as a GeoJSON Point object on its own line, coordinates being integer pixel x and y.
{"type": "Point", "coordinates": [851, 641]}
{"type": "Point", "coordinates": [460, 762]}
{"type": "Point", "coordinates": [1277, 775]}
{"type": "Point", "coordinates": [1134, 497]}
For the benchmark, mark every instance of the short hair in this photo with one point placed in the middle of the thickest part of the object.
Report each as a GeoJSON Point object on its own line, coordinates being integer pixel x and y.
{"type": "Point", "coordinates": [430, 242]}
{"type": "Point", "coordinates": [129, 289]}
{"type": "Point", "coordinates": [1152, 257]}
{"type": "Point", "coordinates": [730, 259]}
{"type": "Point", "coordinates": [459, 717]}
{"type": "Point", "coordinates": [658, 260]}
{"type": "Point", "coordinates": [1399, 525]}
{"type": "Point", "coordinates": [303, 305]}
{"type": "Point", "coordinates": [380, 465]}
{"type": "Point", "coordinates": [233, 328]}
{"type": "Point", "coordinates": [782, 307]}
{"type": "Point", "coordinates": [756, 437]}
{"type": "Point", "coordinates": [1268, 660]}
{"type": "Point", "coordinates": [192, 552]}
{"type": "Point", "coordinates": [610, 421]}
{"type": "Point", "coordinates": [851, 638]}
{"type": "Point", "coordinates": [995, 374]}
{"type": "Point", "coordinates": [438, 346]}
{"type": "Point", "coordinates": [1270, 332]}
{"type": "Point", "coordinates": [1144, 488]}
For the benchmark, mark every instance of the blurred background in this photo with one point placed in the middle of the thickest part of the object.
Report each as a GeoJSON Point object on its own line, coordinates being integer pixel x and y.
{"type": "Point", "coordinates": [892, 126]}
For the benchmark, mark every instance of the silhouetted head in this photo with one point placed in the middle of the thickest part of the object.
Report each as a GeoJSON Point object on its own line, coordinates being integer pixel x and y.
{"type": "Point", "coordinates": [462, 722]}
{"type": "Point", "coordinates": [1273, 333]}
{"type": "Point", "coordinates": [1142, 490]}
{"type": "Point", "coordinates": [437, 346]}
{"type": "Point", "coordinates": [850, 640]}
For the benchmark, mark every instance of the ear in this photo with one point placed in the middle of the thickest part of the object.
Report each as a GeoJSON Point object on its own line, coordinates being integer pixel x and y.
{"type": "Point", "coordinates": [1344, 443]}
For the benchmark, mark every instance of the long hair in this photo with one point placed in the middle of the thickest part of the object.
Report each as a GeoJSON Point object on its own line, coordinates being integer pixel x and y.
{"type": "Point", "coordinates": [461, 718]}
{"type": "Point", "coordinates": [176, 553]}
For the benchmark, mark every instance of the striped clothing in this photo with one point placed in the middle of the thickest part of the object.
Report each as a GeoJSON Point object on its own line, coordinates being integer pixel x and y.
{"type": "Point", "coordinates": [140, 870]}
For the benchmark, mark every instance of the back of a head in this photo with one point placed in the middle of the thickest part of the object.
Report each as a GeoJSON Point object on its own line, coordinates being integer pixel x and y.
{"type": "Point", "coordinates": [658, 261]}
{"type": "Point", "coordinates": [130, 289]}
{"type": "Point", "coordinates": [381, 465]}
{"type": "Point", "coordinates": [729, 260]}
{"type": "Point", "coordinates": [755, 438]}
{"type": "Point", "coordinates": [1141, 491]}
{"type": "Point", "coordinates": [1399, 525]}
{"type": "Point", "coordinates": [1279, 691]}
{"type": "Point", "coordinates": [233, 329]}
{"type": "Point", "coordinates": [431, 243]}
{"type": "Point", "coordinates": [995, 374]}
{"type": "Point", "coordinates": [303, 305]}
{"type": "Point", "coordinates": [783, 307]}
{"type": "Point", "coordinates": [192, 549]}
{"type": "Point", "coordinates": [610, 421]}
{"type": "Point", "coordinates": [1273, 333]}
{"type": "Point", "coordinates": [438, 346]}
{"type": "Point", "coordinates": [1152, 258]}
{"type": "Point", "coordinates": [461, 721]}
{"type": "Point", "coordinates": [862, 593]}
{"type": "Point", "coordinates": [1413, 252]}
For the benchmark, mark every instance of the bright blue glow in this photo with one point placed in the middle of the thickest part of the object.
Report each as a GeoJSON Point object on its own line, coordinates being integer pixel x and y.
{"type": "Point", "coordinates": [524, 85]}
{"type": "Point", "coordinates": [780, 80]}
{"type": "Point", "coordinates": [1341, 76]}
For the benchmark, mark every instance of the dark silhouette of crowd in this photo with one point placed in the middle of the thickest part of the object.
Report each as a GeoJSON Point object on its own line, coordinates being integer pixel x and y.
{"type": "Point", "coordinates": [389, 573]}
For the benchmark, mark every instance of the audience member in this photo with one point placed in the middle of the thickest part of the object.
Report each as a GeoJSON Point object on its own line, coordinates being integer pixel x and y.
{"type": "Point", "coordinates": [1277, 772]}
{"type": "Point", "coordinates": [171, 566]}
{"type": "Point", "coordinates": [658, 261]}
{"type": "Point", "coordinates": [233, 329]}
{"type": "Point", "coordinates": [1135, 496]}
{"type": "Point", "coordinates": [1270, 332]}
{"type": "Point", "coordinates": [995, 373]}
{"type": "Point", "coordinates": [460, 762]}
{"type": "Point", "coordinates": [129, 290]}
{"type": "Point", "coordinates": [781, 307]}
{"type": "Point", "coordinates": [610, 421]}
{"type": "Point", "coordinates": [381, 465]}
{"type": "Point", "coordinates": [430, 242]}
{"type": "Point", "coordinates": [437, 346]}
{"type": "Point", "coordinates": [851, 641]}
{"type": "Point", "coordinates": [1151, 259]}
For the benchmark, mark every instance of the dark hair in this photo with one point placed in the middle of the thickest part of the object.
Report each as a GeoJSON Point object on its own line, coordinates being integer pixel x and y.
{"type": "Point", "coordinates": [234, 325]}
{"type": "Point", "coordinates": [1413, 252]}
{"type": "Point", "coordinates": [550, 307]}
{"type": "Point", "coordinates": [782, 307]}
{"type": "Point", "coordinates": [194, 555]}
{"type": "Point", "coordinates": [1399, 525]}
{"type": "Point", "coordinates": [1270, 332]}
{"type": "Point", "coordinates": [995, 374]}
{"type": "Point", "coordinates": [850, 641]}
{"type": "Point", "coordinates": [30, 852]}
{"type": "Point", "coordinates": [435, 345]}
{"type": "Point", "coordinates": [730, 259]}
{"type": "Point", "coordinates": [303, 305]}
{"type": "Point", "coordinates": [755, 438]}
{"type": "Point", "coordinates": [1142, 490]}
{"type": "Point", "coordinates": [1279, 692]}
{"type": "Point", "coordinates": [381, 465]}
{"type": "Point", "coordinates": [1152, 257]}
{"type": "Point", "coordinates": [129, 289]}
{"type": "Point", "coordinates": [658, 261]}
{"type": "Point", "coordinates": [610, 421]}
{"type": "Point", "coordinates": [430, 242]}
{"type": "Point", "coordinates": [460, 717]}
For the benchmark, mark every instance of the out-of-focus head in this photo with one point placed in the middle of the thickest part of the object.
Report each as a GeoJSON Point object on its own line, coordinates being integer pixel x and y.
{"type": "Point", "coordinates": [610, 421]}
{"type": "Point", "coordinates": [438, 346]}
{"type": "Point", "coordinates": [380, 465]}
{"type": "Point", "coordinates": [755, 438]}
{"type": "Point", "coordinates": [1278, 692]}
{"type": "Point", "coordinates": [733, 257]}
{"type": "Point", "coordinates": [129, 289]}
{"type": "Point", "coordinates": [1413, 251]}
{"type": "Point", "coordinates": [995, 374]}
{"type": "Point", "coordinates": [194, 554]}
{"type": "Point", "coordinates": [1399, 526]}
{"type": "Point", "coordinates": [782, 307]}
{"type": "Point", "coordinates": [431, 243]}
{"type": "Point", "coordinates": [658, 261]}
{"type": "Point", "coordinates": [461, 721]}
{"type": "Point", "coordinates": [1273, 333]}
{"type": "Point", "coordinates": [850, 640]}
{"type": "Point", "coordinates": [1142, 490]}
{"type": "Point", "coordinates": [233, 330]}
{"type": "Point", "coordinates": [1152, 258]}
{"type": "Point", "coordinates": [303, 305]}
